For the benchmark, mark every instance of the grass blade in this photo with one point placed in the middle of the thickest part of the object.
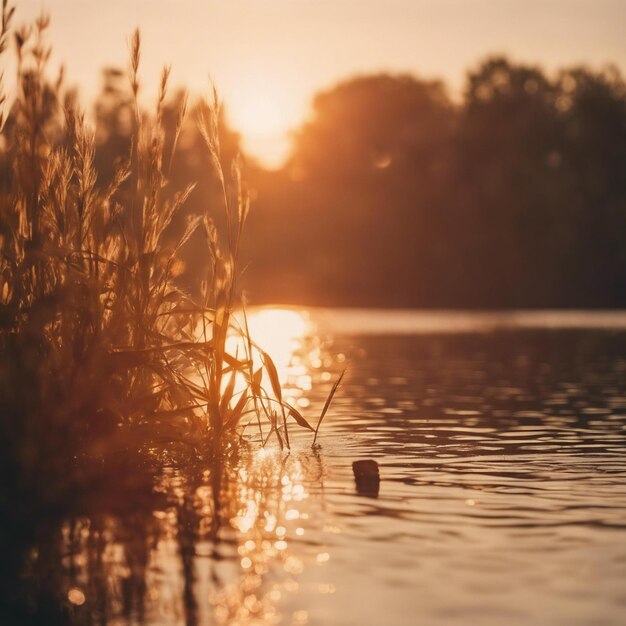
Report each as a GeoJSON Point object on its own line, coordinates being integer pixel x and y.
{"type": "Point", "coordinates": [298, 417]}
{"type": "Point", "coordinates": [327, 404]}
{"type": "Point", "coordinates": [278, 392]}
{"type": "Point", "coordinates": [273, 374]}
{"type": "Point", "coordinates": [228, 393]}
{"type": "Point", "coordinates": [236, 413]}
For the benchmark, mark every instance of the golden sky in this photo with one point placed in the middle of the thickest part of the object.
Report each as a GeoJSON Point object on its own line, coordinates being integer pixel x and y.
{"type": "Point", "coordinates": [268, 57]}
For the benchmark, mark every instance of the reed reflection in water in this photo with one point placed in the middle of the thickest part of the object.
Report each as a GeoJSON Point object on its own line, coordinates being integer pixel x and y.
{"type": "Point", "coordinates": [195, 553]}
{"type": "Point", "coordinates": [503, 493]}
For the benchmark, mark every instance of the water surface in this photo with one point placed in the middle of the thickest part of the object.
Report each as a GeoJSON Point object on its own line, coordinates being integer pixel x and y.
{"type": "Point", "coordinates": [501, 445]}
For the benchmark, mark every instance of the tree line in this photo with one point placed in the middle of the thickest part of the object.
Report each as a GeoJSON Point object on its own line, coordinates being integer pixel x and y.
{"type": "Point", "coordinates": [396, 194]}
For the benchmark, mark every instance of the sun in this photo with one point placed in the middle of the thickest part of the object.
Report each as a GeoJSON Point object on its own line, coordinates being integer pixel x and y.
{"type": "Point", "coordinates": [258, 114]}
{"type": "Point", "coordinates": [264, 112]}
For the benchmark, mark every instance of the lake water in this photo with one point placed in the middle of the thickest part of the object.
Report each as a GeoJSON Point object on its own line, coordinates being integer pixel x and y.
{"type": "Point", "coordinates": [500, 440]}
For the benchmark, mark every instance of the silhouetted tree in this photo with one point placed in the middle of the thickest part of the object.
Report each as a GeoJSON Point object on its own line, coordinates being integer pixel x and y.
{"type": "Point", "coordinates": [363, 189]}
{"type": "Point", "coordinates": [395, 196]}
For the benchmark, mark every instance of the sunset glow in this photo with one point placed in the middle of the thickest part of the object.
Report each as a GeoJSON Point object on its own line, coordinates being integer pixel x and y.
{"type": "Point", "coordinates": [284, 51]}
{"type": "Point", "coordinates": [264, 111]}
{"type": "Point", "coordinates": [312, 312]}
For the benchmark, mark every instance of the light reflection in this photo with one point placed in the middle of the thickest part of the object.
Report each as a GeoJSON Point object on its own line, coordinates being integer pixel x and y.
{"type": "Point", "coordinates": [76, 596]}
{"type": "Point", "coordinates": [263, 516]}
{"type": "Point", "coordinates": [280, 333]}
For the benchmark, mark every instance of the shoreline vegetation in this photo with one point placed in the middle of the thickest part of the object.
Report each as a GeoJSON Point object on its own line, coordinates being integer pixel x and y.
{"type": "Point", "coordinates": [111, 370]}
{"type": "Point", "coordinates": [106, 360]}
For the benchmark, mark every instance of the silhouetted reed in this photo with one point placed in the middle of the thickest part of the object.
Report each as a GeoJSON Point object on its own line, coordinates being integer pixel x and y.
{"type": "Point", "coordinates": [101, 350]}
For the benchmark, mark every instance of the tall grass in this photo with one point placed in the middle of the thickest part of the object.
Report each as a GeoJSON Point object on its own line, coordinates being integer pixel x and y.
{"type": "Point", "coordinates": [100, 349]}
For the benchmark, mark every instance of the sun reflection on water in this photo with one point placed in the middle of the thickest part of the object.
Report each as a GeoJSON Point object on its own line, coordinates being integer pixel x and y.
{"type": "Point", "coordinates": [265, 505]}
{"type": "Point", "coordinates": [281, 333]}
{"type": "Point", "coordinates": [239, 556]}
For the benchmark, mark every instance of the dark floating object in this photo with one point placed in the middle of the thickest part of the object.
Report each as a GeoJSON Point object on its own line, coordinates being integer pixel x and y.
{"type": "Point", "coordinates": [367, 477]}
{"type": "Point", "coordinates": [365, 469]}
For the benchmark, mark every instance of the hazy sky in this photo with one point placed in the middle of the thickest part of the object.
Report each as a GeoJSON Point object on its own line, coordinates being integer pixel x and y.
{"type": "Point", "coordinates": [269, 56]}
